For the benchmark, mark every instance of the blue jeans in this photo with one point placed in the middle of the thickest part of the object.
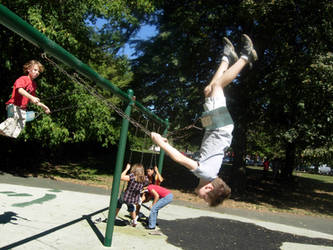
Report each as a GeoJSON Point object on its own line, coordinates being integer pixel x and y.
{"type": "Point", "coordinates": [154, 210]}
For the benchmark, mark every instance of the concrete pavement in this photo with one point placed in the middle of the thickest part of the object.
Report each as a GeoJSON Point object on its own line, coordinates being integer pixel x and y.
{"type": "Point", "coordinates": [45, 214]}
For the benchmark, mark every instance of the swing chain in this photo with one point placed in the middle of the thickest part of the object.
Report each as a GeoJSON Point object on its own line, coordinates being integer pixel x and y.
{"type": "Point", "coordinates": [77, 79]}
{"type": "Point", "coordinates": [92, 91]}
{"type": "Point", "coordinates": [65, 108]}
{"type": "Point", "coordinates": [177, 131]}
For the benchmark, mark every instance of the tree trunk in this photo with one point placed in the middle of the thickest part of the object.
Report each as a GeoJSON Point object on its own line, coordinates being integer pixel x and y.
{"type": "Point", "coordinates": [238, 176]}
{"type": "Point", "coordinates": [287, 169]}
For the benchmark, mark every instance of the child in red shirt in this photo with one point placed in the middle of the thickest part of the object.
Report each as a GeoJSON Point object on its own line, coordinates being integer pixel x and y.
{"type": "Point", "coordinates": [161, 198]}
{"type": "Point", "coordinates": [24, 90]}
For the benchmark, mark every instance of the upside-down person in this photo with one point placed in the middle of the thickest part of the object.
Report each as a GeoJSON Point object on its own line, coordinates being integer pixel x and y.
{"type": "Point", "coordinates": [218, 126]}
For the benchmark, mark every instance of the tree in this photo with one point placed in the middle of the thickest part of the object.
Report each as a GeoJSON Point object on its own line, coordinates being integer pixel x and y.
{"type": "Point", "coordinates": [68, 23]}
{"type": "Point", "coordinates": [277, 100]}
{"type": "Point", "coordinates": [296, 98]}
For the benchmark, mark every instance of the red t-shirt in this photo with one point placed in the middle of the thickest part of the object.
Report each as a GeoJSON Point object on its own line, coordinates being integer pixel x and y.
{"type": "Point", "coordinates": [28, 85]}
{"type": "Point", "coordinates": [162, 192]}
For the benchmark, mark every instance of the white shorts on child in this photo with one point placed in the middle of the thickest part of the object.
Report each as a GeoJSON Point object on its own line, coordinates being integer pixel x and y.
{"type": "Point", "coordinates": [13, 126]}
{"type": "Point", "coordinates": [212, 150]}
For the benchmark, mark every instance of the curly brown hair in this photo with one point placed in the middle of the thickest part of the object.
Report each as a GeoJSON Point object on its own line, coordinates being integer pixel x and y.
{"type": "Point", "coordinates": [27, 66]}
{"type": "Point", "coordinates": [220, 192]}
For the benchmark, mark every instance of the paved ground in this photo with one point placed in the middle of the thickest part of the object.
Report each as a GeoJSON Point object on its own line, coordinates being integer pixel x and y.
{"type": "Point", "coordinates": [45, 214]}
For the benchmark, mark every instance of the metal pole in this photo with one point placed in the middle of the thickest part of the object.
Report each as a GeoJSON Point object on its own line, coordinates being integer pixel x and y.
{"type": "Point", "coordinates": [162, 153]}
{"type": "Point", "coordinates": [117, 173]}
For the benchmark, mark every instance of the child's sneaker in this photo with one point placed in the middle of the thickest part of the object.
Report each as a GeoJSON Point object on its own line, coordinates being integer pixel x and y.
{"type": "Point", "coordinates": [248, 52]}
{"type": "Point", "coordinates": [229, 51]}
{"type": "Point", "coordinates": [134, 223]}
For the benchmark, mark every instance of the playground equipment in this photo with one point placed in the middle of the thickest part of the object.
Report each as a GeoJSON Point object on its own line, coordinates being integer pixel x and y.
{"type": "Point", "coordinates": [25, 30]}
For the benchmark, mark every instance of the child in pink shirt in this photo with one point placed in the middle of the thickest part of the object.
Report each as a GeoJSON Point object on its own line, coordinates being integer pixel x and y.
{"type": "Point", "coordinates": [161, 197]}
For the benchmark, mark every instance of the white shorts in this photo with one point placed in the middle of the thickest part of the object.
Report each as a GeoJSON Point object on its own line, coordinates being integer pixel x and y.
{"type": "Point", "coordinates": [13, 126]}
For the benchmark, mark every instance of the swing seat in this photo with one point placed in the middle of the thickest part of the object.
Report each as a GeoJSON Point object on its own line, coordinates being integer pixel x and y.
{"type": "Point", "coordinates": [10, 111]}
{"type": "Point", "coordinates": [30, 116]}
{"type": "Point", "coordinates": [216, 118]}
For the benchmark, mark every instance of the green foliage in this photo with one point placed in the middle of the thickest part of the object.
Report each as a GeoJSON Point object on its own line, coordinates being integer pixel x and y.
{"type": "Point", "coordinates": [298, 101]}
{"type": "Point", "coordinates": [318, 156]}
{"type": "Point", "coordinates": [136, 143]}
{"type": "Point", "coordinates": [285, 99]}
{"type": "Point", "coordinates": [78, 116]}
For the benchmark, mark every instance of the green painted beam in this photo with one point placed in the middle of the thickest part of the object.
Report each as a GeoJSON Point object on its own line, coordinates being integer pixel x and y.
{"type": "Point", "coordinates": [25, 30]}
{"type": "Point", "coordinates": [117, 175]}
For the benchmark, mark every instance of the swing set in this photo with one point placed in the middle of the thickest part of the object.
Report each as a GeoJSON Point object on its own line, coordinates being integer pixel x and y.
{"type": "Point", "coordinates": [25, 30]}
{"type": "Point", "coordinates": [210, 120]}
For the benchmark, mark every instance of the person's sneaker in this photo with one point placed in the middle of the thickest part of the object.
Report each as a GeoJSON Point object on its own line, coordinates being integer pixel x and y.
{"type": "Point", "coordinates": [155, 232]}
{"type": "Point", "coordinates": [229, 51]}
{"type": "Point", "coordinates": [248, 51]}
{"type": "Point", "coordinates": [134, 223]}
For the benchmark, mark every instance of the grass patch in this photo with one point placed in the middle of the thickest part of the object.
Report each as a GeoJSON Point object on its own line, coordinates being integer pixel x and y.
{"type": "Point", "coordinates": [322, 178]}
{"type": "Point", "coordinates": [308, 194]}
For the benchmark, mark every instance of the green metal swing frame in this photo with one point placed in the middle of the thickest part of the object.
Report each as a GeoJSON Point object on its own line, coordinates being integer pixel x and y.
{"type": "Point", "coordinates": [25, 30]}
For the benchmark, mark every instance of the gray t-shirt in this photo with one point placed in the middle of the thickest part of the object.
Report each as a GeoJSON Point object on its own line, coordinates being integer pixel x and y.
{"type": "Point", "coordinates": [212, 153]}
{"type": "Point", "coordinates": [214, 142]}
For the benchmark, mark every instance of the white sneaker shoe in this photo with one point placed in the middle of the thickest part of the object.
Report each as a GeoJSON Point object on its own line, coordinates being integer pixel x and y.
{"type": "Point", "coordinates": [134, 223]}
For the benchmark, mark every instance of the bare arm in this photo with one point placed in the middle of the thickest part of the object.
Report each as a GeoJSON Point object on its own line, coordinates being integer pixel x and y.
{"type": "Point", "coordinates": [223, 77]}
{"type": "Point", "coordinates": [173, 153]}
{"type": "Point", "coordinates": [158, 175]}
{"type": "Point", "coordinates": [156, 197]}
{"type": "Point", "coordinates": [46, 108]}
{"type": "Point", "coordinates": [124, 176]}
{"type": "Point", "coordinates": [35, 100]}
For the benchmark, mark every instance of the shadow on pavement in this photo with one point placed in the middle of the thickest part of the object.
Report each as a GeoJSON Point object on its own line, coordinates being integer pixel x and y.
{"type": "Point", "coordinates": [52, 230]}
{"type": "Point", "coordinates": [212, 233]}
{"type": "Point", "coordinates": [9, 217]}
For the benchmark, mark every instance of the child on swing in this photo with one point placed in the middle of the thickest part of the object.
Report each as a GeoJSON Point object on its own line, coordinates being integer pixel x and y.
{"type": "Point", "coordinates": [154, 175]}
{"type": "Point", "coordinates": [136, 181]}
{"type": "Point", "coordinates": [211, 188]}
{"type": "Point", "coordinates": [24, 90]}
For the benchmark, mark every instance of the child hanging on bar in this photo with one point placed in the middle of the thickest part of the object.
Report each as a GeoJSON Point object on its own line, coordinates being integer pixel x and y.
{"type": "Point", "coordinates": [219, 127]}
{"type": "Point", "coordinates": [24, 90]}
